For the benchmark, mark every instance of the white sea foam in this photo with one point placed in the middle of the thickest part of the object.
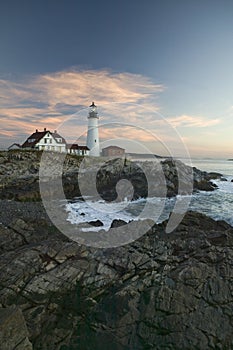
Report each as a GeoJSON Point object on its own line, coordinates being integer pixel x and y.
{"type": "Point", "coordinates": [224, 186]}
{"type": "Point", "coordinates": [217, 204]}
{"type": "Point", "coordinates": [82, 212]}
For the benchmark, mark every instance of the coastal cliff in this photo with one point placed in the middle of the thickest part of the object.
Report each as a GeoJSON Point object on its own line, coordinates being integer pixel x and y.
{"type": "Point", "coordinates": [162, 291]}
{"type": "Point", "coordinates": [19, 176]}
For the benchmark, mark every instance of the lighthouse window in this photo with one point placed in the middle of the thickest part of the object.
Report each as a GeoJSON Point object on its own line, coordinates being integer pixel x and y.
{"type": "Point", "coordinates": [95, 140]}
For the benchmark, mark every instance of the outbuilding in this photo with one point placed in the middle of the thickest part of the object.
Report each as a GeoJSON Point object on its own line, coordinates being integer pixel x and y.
{"type": "Point", "coordinates": [113, 151]}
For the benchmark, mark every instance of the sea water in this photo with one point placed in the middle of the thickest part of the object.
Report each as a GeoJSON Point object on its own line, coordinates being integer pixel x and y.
{"type": "Point", "coordinates": [222, 166]}
{"type": "Point", "coordinates": [217, 204]}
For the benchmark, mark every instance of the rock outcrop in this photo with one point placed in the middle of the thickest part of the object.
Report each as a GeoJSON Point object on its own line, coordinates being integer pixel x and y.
{"type": "Point", "coordinates": [19, 177]}
{"type": "Point", "coordinates": [163, 291]}
{"type": "Point", "coordinates": [13, 329]}
{"type": "Point", "coordinates": [19, 174]}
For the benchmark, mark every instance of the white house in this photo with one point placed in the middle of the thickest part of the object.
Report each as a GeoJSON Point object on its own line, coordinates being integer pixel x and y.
{"type": "Point", "coordinates": [52, 141]}
{"type": "Point", "coordinates": [77, 149]}
{"type": "Point", "coordinates": [45, 140]}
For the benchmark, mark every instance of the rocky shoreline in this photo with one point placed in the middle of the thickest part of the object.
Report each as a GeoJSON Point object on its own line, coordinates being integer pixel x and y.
{"type": "Point", "coordinates": [11, 210]}
{"type": "Point", "coordinates": [20, 178]}
{"type": "Point", "coordinates": [162, 291]}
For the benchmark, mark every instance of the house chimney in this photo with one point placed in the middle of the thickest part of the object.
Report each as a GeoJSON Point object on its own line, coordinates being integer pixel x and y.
{"type": "Point", "coordinates": [44, 129]}
{"type": "Point", "coordinates": [36, 130]}
{"type": "Point", "coordinates": [55, 131]}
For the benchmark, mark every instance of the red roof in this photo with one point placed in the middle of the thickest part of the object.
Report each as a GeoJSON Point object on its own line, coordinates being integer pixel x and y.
{"type": "Point", "coordinates": [84, 148]}
{"type": "Point", "coordinates": [113, 147]}
{"type": "Point", "coordinates": [37, 136]}
{"type": "Point", "coordinates": [77, 147]}
{"type": "Point", "coordinates": [57, 136]}
{"type": "Point", "coordinates": [34, 139]}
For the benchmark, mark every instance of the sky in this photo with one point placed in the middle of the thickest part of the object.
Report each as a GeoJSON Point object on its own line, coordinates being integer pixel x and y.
{"type": "Point", "coordinates": [160, 72]}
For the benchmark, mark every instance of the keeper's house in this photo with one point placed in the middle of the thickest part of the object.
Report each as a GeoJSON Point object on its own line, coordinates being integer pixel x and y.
{"type": "Point", "coordinates": [45, 140]}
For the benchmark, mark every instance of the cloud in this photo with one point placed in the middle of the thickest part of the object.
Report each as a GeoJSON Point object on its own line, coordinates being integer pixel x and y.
{"type": "Point", "coordinates": [127, 133]}
{"type": "Point", "coordinates": [59, 101]}
{"type": "Point", "coordinates": [48, 100]}
{"type": "Point", "coordinates": [79, 88]}
{"type": "Point", "coordinates": [192, 121]}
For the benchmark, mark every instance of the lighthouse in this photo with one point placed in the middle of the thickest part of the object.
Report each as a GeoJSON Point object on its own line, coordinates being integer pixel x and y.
{"type": "Point", "coordinates": [92, 132]}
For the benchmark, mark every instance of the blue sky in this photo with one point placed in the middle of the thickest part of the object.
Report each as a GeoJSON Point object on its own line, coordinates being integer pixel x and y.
{"type": "Point", "coordinates": [169, 60]}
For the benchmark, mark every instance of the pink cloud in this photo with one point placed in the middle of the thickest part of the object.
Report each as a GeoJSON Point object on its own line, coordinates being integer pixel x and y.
{"type": "Point", "coordinates": [48, 100]}
{"type": "Point", "coordinates": [192, 121]}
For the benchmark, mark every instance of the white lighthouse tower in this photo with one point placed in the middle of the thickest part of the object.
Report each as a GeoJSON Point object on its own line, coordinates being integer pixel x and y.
{"type": "Point", "coordinates": [93, 132]}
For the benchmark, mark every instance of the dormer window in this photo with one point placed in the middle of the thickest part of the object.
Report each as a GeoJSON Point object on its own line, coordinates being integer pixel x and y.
{"type": "Point", "coordinates": [31, 140]}
{"type": "Point", "coordinates": [59, 139]}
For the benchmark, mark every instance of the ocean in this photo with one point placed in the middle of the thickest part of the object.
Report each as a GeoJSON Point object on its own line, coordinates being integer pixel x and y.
{"type": "Point", "coordinates": [217, 204]}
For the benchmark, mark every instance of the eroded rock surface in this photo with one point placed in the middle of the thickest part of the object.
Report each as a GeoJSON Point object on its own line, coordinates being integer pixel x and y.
{"type": "Point", "coordinates": [163, 291]}
{"type": "Point", "coordinates": [13, 329]}
{"type": "Point", "coordinates": [20, 180]}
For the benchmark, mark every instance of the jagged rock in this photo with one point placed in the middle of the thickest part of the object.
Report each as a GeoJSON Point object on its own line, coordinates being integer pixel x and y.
{"type": "Point", "coordinates": [205, 185]}
{"type": "Point", "coordinates": [213, 176]}
{"type": "Point", "coordinates": [9, 240]}
{"type": "Point", "coordinates": [160, 291]}
{"type": "Point", "coordinates": [96, 223]}
{"type": "Point", "coordinates": [118, 223]}
{"type": "Point", "coordinates": [20, 177]}
{"type": "Point", "coordinates": [13, 330]}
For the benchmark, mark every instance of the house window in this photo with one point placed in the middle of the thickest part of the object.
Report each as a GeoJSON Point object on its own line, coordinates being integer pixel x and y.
{"type": "Point", "coordinates": [45, 140]}
{"type": "Point", "coordinates": [50, 140]}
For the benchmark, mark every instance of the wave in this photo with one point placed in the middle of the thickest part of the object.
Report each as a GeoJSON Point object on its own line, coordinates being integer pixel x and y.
{"type": "Point", "coordinates": [224, 186]}
{"type": "Point", "coordinates": [82, 212]}
{"type": "Point", "coordinates": [217, 204]}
